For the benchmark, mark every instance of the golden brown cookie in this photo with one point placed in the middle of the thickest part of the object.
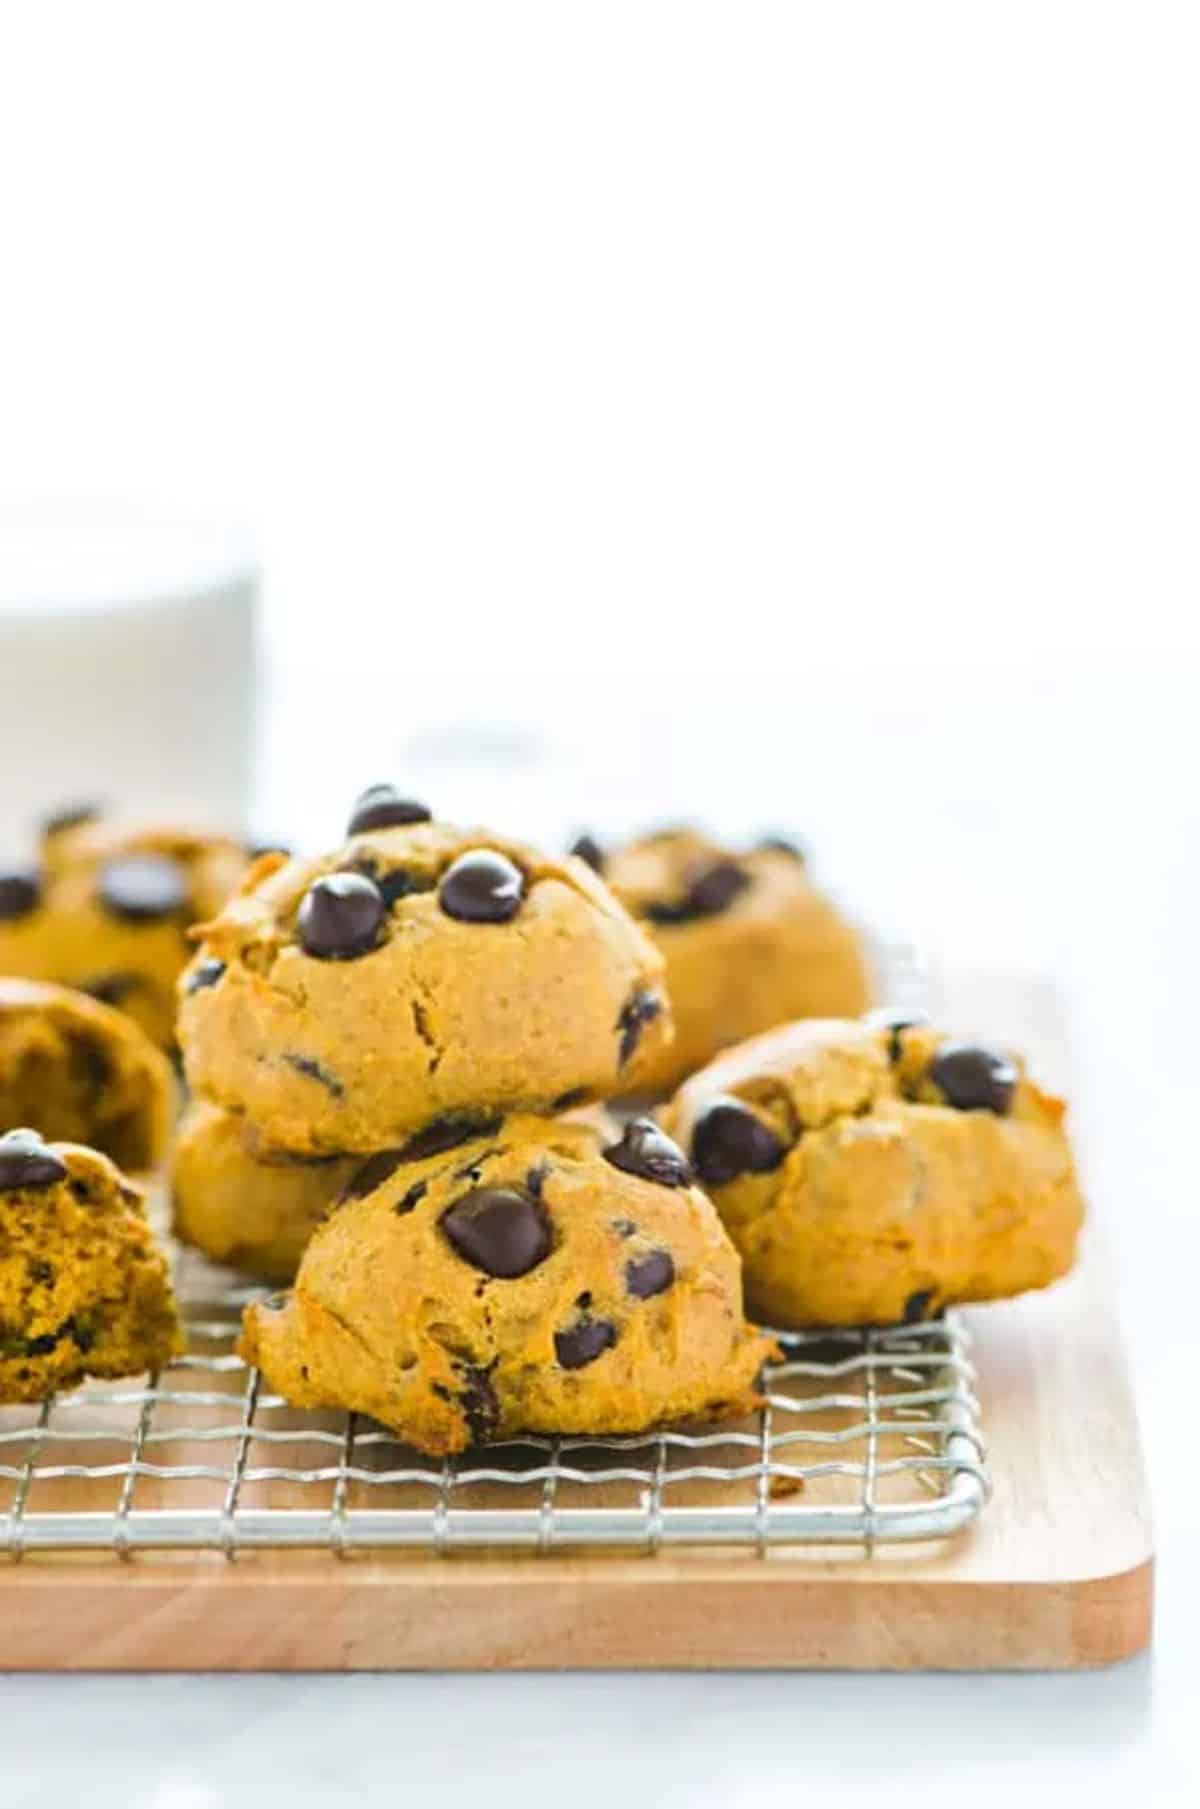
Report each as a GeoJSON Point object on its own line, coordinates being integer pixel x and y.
{"type": "Point", "coordinates": [419, 973]}
{"type": "Point", "coordinates": [83, 1073]}
{"type": "Point", "coordinates": [876, 1172]}
{"type": "Point", "coordinates": [248, 1208]}
{"type": "Point", "coordinates": [748, 940]}
{"type": "Point", "coordinates": [537, 1279]}
{"type": "Point", "coordinates": [84, 1291]}
{"type": "Point", "coordinates": [107, 906]}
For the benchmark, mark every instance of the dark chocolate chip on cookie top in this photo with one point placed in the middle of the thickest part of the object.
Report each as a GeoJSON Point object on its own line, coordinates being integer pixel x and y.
{"type": "Point", "coordinates": [383, 807]}
{"type": "Point", "coordinates": [501, 1230]}
{"type": "Point", "coordinates": [648, 1275]}
{"type": "Point", "coordinates": [648, 1152]}
{"type": "Point", "coordinates": [482, 886]}
{"type": "Point", "coordinates": [730, 1140]}
{"type": "Point", "coordinates": [26, 1160]}
{"type": "Point", "coordinates": [583, 1342]}
{"type": "Point", "coordinates": [973, 1078]}
{"type": "Point", "coordinates": [341, 917]}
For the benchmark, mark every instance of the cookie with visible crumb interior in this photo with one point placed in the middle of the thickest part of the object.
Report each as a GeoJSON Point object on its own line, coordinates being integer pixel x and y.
{"type": "Point", "coordinates": [419, 973]}
{"type": "Point", "coordinates": [245, 1207]}
{"type": "Point", "coordinates": [876, 1172]}
{"type": "Point", "coordinates": [537, 1278]}
{"type": "Point", "coordinates": [106, 909]}
{"type": "Point", "coordinates": [84, 1290]}
{"type": "Point", "coordinates": [748, 939]}
{"type": "Point", "coordinates": [82, 1073]}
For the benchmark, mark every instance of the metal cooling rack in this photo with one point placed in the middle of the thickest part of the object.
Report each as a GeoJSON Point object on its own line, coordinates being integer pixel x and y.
{"type": "Point", "coordinates": [867, 1437]}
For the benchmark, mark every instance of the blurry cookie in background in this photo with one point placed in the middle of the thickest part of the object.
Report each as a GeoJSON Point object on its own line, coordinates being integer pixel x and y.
{"type": "Point", "coordinates": [83, 1073]}
{"type": "Point", "coordinates": [748, 939]}
{"type": "Point", "coordinates": [876, 1172]}
{"type": "Point", "coordinates": [106, 906]}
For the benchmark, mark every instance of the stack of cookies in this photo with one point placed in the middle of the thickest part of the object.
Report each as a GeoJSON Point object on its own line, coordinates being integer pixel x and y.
{"type": "Point", "coordinates": [406, 1039]}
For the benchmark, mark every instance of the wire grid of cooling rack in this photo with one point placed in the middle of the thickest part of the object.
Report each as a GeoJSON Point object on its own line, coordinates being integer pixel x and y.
{"type": "Point", "coordinates": [866, 1436]}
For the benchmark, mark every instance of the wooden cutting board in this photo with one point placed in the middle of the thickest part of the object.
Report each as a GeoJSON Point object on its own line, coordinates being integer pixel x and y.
{"type": "Point", "coordinates": [1057, 1571]}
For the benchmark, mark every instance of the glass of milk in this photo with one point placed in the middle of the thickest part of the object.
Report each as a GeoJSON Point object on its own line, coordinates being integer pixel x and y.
{"type": "Point", "coordinates": [127, 660]}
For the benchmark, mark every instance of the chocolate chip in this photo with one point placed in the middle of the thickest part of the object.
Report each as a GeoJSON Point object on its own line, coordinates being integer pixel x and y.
{"type": "Point", "coordinates": [973, 1078]}
{"type": "Point", "coordinates": [917, 1305]}
{"type": "Point", "coordinates": [482, 887]}
{"type": "Point", "coordinates": [895, 1020]}
{"type": "Point", "coordinates": [83, 1335]}
{"type": "Point", "coordinates": [314, 1070]}
{"type": "Point", "coordinates": [499, 1230]}
{"type": "Point", "coordinates": [709, 891]}
{"type": "Point", "coordinates": [577, 1096]}
{"type": "Point", "coordinates": [647, 1275]}
{"type": "Point", "coordinates": [40, 1347]}
{"type": "Point", "coordinates": [646, 1151]}
{"type": "Point", "coordinates": [206, 974]}
{"type": "Point", "coordinates": [583, 1343]}
{"type": "Point", "coordinates": [340, 917]}
{"type": "Point", "coordinates": [587, 848]}
{"type": "Point", "coordinates": [255, 849]}
{"type": "Point", "coordinates": [782, 844]}
{"type": "Point", "coordinates": [372, 1174]}
{"type": "Point", "coordinates": [112, 989]}
{"type": "Point", "coordinates": [70, 816]}
{"type": "Point", "coordinates": [142, 888]}
{"type": "Point", "coordinates": [26, 1160]}
{"type": "Point", "coordinates": [446, 1133]}
{"type": "Point", "coordinates": [478, 1402]}
{"type": "Point", "coordinates": [636, 1013]}
{"type": "Point", "coordinates": [20, 892]}
{"type": "Point", "coordinates": [407, 1202]}
{"type": "Point", "coordinates": [728, 1139]}
{"type": "Point", "coordinates": [382, 807]}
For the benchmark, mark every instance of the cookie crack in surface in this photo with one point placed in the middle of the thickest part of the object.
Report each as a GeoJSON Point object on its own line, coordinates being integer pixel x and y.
{"type": "Point", "coordinates": [420, 1018]}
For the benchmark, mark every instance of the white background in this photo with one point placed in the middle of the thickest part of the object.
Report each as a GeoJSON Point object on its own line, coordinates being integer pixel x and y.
{"type": "Point", "coordinates": [787, 413]}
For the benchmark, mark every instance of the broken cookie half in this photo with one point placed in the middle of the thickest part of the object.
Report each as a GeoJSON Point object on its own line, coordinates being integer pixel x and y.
{"type": "Point", "coordinates": [84, 1289]}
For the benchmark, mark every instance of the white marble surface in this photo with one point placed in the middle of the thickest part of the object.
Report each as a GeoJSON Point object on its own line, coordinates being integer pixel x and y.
{"type": "Point", "coordinates": [1053, 824]}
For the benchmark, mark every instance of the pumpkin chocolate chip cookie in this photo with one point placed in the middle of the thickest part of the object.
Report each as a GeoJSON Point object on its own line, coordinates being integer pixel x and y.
{"type": "Point", "coordinates": [875, 1172]}
{"type": "Point", "coordinates": [538, 1278]}
{"type": "Point", "coordinates": [84, 1291]}
{"type": "Point", "coordinates": [249, 1208]}
{"type": "Point", "coordinates": [106, 908]}
{"type": "Point", "coordinates": [82, 1072]}
{"type": "Point", "coordinates": [419, 974]}
{"type": "Point", "coordinates": [747, 938]}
